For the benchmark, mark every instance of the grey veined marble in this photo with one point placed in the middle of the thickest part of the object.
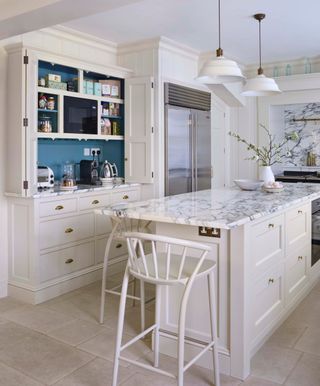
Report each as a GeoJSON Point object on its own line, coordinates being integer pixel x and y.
{"type": "Point", "coordinates": [305, 120]}
{"type": "Point", "coordinates": [218, 208]}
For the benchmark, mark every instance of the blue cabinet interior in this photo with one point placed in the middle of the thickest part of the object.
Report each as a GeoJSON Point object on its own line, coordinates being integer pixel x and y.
{"type": "Point", "coordinates": [55, 153]}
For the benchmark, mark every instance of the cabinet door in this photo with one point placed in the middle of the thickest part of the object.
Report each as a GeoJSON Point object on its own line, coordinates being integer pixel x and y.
{"type": "Point", "coordinates": [139, 130]}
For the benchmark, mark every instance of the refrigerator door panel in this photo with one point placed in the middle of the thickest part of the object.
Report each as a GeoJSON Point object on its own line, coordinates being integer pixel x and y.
{"type": "Point", "coordinates": [178, 151]}
{"type": "Point", "coordinates": [202, 149]}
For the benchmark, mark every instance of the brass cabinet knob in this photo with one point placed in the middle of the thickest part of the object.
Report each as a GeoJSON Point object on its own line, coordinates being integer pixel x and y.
{"type": "Point", "coordinates": [69, 261]}
{"type": "Point", "coordinates": [59, 207]}
{"type": "Point", "coordinates": [126, 159]}
{"type": "Point", "coordinates": [68, 230]}
{"type": "Point", "coordinates": [125, 197]}
{"type": "Point", "coordinates": [271, 226]}
{"type": "Point", "coordinates": [95, 202]}
{"type": "Point", "coordinates": [118, 245]}
{"type": "Point", "coordinates": [300, 258]}
{"type": "Point", "coordinates": [270, 281]}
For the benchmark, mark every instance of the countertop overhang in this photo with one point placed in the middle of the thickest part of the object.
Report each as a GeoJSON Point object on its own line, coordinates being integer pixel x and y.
{"type": "Point", "coordinates": [224, 208]}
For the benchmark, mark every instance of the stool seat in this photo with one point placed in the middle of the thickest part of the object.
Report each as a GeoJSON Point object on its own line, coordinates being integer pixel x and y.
{"type": "Point", "coordinates": [170, 279]}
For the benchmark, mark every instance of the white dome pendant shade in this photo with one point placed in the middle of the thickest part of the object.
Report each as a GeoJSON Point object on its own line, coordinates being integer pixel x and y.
{"type": "Point", "coordinates": [260, 85]}
{"type": "Point", "coordinates": [219, 70]}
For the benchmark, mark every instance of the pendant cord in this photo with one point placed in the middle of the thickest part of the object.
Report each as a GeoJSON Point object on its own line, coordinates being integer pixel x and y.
{"type": "Point", "coordinates": [219, 50]}
{"type": "Point", "coordinates": [260, 70]}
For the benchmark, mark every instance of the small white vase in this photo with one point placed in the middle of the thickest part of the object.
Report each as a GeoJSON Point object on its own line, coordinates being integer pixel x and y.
{"type": "Point", "coordinates": [266, 174]}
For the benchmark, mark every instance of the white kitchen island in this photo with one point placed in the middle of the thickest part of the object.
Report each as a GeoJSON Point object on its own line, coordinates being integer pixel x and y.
{"type": "Point", "coordinates": [262, 245]}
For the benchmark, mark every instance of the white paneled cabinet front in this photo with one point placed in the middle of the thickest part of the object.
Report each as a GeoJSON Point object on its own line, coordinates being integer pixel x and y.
{"type": "Point", "coordinates": [56, 244]}
{"type": "Point", "coordinates": [139, 130]}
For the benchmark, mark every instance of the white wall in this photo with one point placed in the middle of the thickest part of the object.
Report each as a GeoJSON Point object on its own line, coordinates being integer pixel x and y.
{"type": "Point", "coordinates": [3, 208]}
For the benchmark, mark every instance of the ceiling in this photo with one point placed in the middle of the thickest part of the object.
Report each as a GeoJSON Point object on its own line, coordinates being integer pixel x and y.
{"type": "Point", "coordinates": [290, 30]}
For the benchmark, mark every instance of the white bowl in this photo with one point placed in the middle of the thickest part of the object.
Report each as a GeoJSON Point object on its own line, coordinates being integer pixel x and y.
{"type": "Point", "coordinates": [249, 184]}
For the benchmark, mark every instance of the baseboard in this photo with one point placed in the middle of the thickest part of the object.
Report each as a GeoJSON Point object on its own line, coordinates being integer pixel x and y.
{"type": "Point", "coordinates": [3, 288]}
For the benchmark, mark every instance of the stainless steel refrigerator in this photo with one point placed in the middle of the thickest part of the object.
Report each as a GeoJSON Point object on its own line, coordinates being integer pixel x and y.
{"type": "Point", "coordinates": [188, 140]}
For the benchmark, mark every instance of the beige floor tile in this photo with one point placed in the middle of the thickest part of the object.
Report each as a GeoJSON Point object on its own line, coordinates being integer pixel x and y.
{"type": "Point", "coordinates": [96, 373]}
{"type": "Point", "coordinates": [307, 313]}
{"type": "Point", "coordinates": [148, 379]}
{"type": "Point", "coordinates": [37, 318]}
{"type": "Point", "coordinates": [316, 287]}
{"type": "Point", "coordinates": [286, 336]}
{"type": "Point", "coordinates": [274, 363]}
{"type": "Point", "coordinates": [306, 373]}
{"type": "Point", "coordinates": [11, 334]}
{"type": "Point", "coordinates": [12, 377]}
{"type": "Point", "coordinates": [253, 381]}
{"type": "Point", "coordinates": [76, 332]}
{"type": "Point", "coordinates": [310, 341]}
{"type": "Point", "coordinates": [8, 303]}
{"type": "Point", "coordinates": [102, 345]}
{"type": "Point", "coordinates": [43, 358]}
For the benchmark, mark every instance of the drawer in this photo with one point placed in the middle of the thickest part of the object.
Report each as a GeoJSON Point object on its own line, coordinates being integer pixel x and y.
{"type": "Point", "coordinates": [64, 261]}
{"type": "Point", "coordinates": [53, 208]}
{"type": "Point", "coordinates": [268, 299]}
{"type": "Point", "coordinates": [267, 244]}
{"type": "Point", "coordinates": [126, 195]}
{"type": "Point", "coordinates": [66, 230]}
{"type": "Point", "coordinates": [298, 224]}
{"type": "Point", "coordinates": [94, 201]}
{"type": "Point", "coordinates": [297, 266]}
{"type": "Point", "coordinates": [118, 248]}
{"type": "Point", "coordinates": [103, 224]}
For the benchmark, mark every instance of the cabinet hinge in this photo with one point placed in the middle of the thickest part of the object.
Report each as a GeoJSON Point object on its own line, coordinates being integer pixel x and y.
{"type": "Point", "coordinates": [152, 174]}
{"type": "Point", "coordinates": [25, 185]}
{"type": "Point", "coordinates": [152, 85]}
{"type": "Point", "coordinates": [152, 129]}
{"type": "Point", "coordinates": [25, 122]}
{"type": "Point", "coordinates": [26, 59]}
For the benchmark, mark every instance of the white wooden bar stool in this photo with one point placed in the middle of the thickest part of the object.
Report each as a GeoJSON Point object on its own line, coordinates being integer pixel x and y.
{"type": "Point", "coordinates": [119, 226]}
{"type": "Point", "coordinates": [165, 266]}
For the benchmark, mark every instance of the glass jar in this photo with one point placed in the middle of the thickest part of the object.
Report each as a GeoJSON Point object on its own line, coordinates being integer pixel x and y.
{"type": "Point", "coordinates": [45, 125]}
{"type": "Point", "coordinates": [69, 176]}
{"type": "Point", "coordinates": [51, 103]}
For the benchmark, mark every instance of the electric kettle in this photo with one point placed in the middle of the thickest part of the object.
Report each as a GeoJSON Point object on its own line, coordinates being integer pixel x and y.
{"type": "Point", "coordinates": [108, 170]}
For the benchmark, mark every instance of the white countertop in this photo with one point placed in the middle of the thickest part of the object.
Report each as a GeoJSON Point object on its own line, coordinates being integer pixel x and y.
{"type": "Point", "coordinates": [217, 208]}
{"type": "Point", "coordinates": [81, 189]}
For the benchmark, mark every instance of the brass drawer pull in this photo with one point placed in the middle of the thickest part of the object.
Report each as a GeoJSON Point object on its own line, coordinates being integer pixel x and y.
{"type": "Point", "coordinates": [59, 207]}
{"type": "Point", "coordinates": [300, 258]}
{"type": "Point", "coordinates": [270, 281]}
{"type": "Point", "coordinates": [118, 245]}
{"type": "Point", "coordinates": [271, 226]}
{"type": "Point", "coordinates": [69, 261]}
{"type": "Point", "coordinates": [95, 202]}
{"type": "Point", "coordinates": [300, 212]}
{"type": "Point", "coordinates": [68, 230]}
{"type": "Point", "coordinates": [125, 197]}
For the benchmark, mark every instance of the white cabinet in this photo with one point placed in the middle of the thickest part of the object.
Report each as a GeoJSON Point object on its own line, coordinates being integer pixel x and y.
{"type": "Point", "coordinates": [139, 130]}
{"type": "Point", "coordinates": [56, 244]}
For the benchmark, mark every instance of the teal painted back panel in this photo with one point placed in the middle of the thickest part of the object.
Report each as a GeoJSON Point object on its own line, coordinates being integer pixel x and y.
{"type": "Point", "coordinates": [55, 153]}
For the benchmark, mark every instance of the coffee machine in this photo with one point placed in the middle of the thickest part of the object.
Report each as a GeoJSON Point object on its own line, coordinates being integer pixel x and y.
{"type": "Point", "coordinates": [89, 170]}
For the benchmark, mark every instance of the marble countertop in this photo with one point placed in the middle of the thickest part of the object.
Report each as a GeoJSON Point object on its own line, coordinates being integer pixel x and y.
{"type": "Point", "coordinates": [217, 208]}
{"type": "Point", "coordinates": [81, 189]}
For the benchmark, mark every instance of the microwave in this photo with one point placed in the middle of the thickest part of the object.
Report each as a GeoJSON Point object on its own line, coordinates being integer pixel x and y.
{"type": "Point", "coordinates": [80, 115]}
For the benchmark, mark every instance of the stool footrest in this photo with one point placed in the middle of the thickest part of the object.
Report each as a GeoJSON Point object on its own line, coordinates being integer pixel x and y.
{"type": "Point", "coordinates": [193, 360]}
{"type": "Point", "coordinates": [119, 294]}
{"type": "Point", "coordinates": [136, 338]}
{"type": "Point", "coordinates": [148, 367]}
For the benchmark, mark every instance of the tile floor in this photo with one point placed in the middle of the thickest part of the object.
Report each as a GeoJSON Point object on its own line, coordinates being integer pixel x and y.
{"type": "Point", "coordinates": [61, 343]}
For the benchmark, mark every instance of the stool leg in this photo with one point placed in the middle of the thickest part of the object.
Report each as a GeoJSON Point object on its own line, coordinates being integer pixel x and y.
{"type": "Point", "coordinates": [142, 306]}
{"type": "Point", "coordinates": [122, 308]}
{"type": "Point", "coordinates": [104, 271]}
{"type": "Point", "coordinates": [181, 333]}
{"type": "Point", "coordinates": [213, 325]}
{"type": "Point", "coordinates": [156, 330]}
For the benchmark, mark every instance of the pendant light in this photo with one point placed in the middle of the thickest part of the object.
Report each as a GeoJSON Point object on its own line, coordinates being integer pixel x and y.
{"type": "Point", "coordinates": [219, 70]}
{"type": "Point", "coordinates": [260, 85]}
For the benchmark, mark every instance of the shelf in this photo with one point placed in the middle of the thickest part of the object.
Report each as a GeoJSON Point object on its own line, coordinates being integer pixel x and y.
{"type": "Point", "coordinates": [56, 91]}
{"type": "Point", "coordinates": [47, 111]}
{"type": "Point", "coordinates": [80, 137]}
{"type": "Point", "coordinates": [111, 116]}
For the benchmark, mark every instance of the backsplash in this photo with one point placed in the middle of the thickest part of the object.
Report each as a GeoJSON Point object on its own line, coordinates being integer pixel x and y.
{"type": "Point", "coordinates": [298, 118]}
{"type": "Point", "coordinates": [55, 153]}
